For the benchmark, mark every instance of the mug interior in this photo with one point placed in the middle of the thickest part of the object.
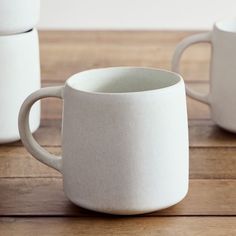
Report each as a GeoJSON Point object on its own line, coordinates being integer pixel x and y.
{"type": "Point", "coordinates": [227, 25]}
{"type": "Point", "coordinates": [123, 80]}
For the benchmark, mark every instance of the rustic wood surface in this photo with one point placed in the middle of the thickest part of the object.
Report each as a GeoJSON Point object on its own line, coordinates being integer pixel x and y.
{"type": "Point", "coordinates": [135, 226]}
{"type": "Point", "coordinates": [32, 201]}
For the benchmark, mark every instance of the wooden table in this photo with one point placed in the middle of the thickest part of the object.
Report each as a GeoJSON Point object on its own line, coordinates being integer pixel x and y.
{"type": "Point", "coordinates": [32, 201]}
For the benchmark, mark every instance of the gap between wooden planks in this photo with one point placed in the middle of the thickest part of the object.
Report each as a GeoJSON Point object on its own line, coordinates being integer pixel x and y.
{"type": "Point", "coordinates": [104, 226]}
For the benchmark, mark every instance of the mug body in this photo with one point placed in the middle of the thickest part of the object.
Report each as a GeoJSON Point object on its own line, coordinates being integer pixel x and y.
{"type": "Point", "coordinates": [19, 76]}
{"type": "Point", "coordinates": [223, 74]}
{"type": "Point", "coordinates": [125, 140]}
{"type": "Point", "coordinates": [18, 16]}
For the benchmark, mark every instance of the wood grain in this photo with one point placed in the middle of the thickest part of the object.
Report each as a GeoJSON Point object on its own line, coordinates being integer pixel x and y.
{"type": "Point", "coordinates": [212, 163]}
{"type": "Point", "coordinates": [205, 163]}
{"type": "Point", "coordinates": [133, 226]}
{"type": "Point", "coordinates": [17, 162]}
{"type": "Point", "coordinates": [29, 189]}
{"type": "Point", "coordinates": [64, 54]}
{"type": "Point", "coordinates": [207, 134]}
{"type": "Point", "coordinates": [45, 197]}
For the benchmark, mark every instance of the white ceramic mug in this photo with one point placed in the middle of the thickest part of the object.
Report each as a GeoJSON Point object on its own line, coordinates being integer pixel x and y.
{"type": "Point", "coordinates": [222, 96]}
{"type": "Point", "coordinates": [18, 16]}
{"type": "Point", "coordinates": [124, 139]}
{"type": "Point", "coordinates": [19, 77]}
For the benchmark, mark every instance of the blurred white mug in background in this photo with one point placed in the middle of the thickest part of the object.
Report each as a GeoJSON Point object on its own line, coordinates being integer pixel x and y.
{"type": "Point", "coordinates": [17, 16]}
{"type": "Point", "coordinates": [222, 95]}
{"type": "Point", "coordinates": [19, 76]}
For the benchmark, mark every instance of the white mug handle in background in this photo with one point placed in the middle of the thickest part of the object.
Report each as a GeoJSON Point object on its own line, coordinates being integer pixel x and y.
{"type": "Point", "coordinates": [26, 136]}
{"type": "Point", "coordinates": [198, 38]}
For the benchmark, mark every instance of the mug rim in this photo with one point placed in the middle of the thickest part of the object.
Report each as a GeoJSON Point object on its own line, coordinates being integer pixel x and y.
{"type": "Point", "coordinates": [169, 87]}
{"type": "Point", "coordinates": [22, 34]}
{"type": "Point", "coordinates": [223, 25]}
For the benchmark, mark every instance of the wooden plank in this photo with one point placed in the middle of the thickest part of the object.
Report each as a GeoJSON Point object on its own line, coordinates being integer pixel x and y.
{"type": "Point", "coordinates": [66, 53]}
{"type": "Point", "coordinates": [207, 134]}
{"type": "Point", "coordinates": [45, 197]}
{"type": "Point", "coordinates": [212, 163]}
{"type": "Point", "coordinates": [197, 110]}
{"type": "Point", "coordinates": [17, 162]}
{"type": "Point", "coordinates": [104, 226]}
{"type": "Point", "coordinates": [51, 108]}
{"type": "Point", "coordinates": [205, 163]}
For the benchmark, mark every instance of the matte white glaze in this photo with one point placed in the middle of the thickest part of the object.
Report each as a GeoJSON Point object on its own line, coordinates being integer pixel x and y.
{"type": "Point", "coordinates": [19, 77]}
{"type": "Point", "coordinates": [123, 152]}
{"type": "Point", "coordinates": [18, 16]}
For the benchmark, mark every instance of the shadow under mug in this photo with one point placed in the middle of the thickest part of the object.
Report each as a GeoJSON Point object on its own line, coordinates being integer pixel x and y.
{"type": "Point", "coordinates": [124, 139]}
{"type": "Point", "coordinates": [19, 77]}
{"type": "Point", "coordinates": [222, 95]}
{"type": "Point", "coordinates": [18, 16]}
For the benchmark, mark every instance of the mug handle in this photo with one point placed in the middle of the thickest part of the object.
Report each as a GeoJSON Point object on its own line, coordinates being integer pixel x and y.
{"type": "Point", "coordinates": [198, 38]}
{"type": "Point", "coordinates": [26, 136]}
